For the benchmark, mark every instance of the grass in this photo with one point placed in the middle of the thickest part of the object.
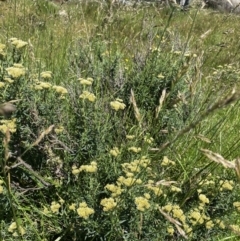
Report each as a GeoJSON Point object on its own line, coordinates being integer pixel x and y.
{"type": "Point", "coordinates": [118, 122]}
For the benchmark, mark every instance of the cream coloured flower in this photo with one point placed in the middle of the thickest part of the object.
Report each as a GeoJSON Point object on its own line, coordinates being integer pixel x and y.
{"type": "Point", "coordinates": [84, 211]}
{"type": "Point", "coordinates": [167, 162]}
{"type": "Point", "coordinates": [142, 203]}
{"type": "Point", "coordinates": [114, 152]}
{"type": "Point", "coordinates": [46, 75]}
{"type": "Point", "coordinates": [2, 84]}
{"type": "Point", "coordinates": [130, 137]}
{"type": "Point", "coordinates": [60, 90]}
{"type": "Point", "coordinates": [134, 149]}
{"type": "Point", "coordinates": [88, 95]}
{"type": "Point", "coordinates": [12, 227]}
{"type": "Point", "coordinates": [203, 198]}
{"type": "Point", "coordinates": [117, 105]}
{"type": "Point", "coordinates": [18, 43]}
{"type": "Point", "coordinates": [87, 81]}
{"type": "Point", "coordinates": [72, 206]}
{"type": "Point", "coordinates": [108, 204]}
{"type": "Point", "coordinates": [16, 71]}
{"type": "Point", "coordinates": [170, 230]}
{"type": "Point", "coordinates": [8, 125]}
{"type": "Point", "coordinates": [55, 207]}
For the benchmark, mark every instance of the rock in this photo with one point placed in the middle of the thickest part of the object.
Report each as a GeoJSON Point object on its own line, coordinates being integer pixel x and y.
{"type": "Point", "coordinates": [224, 5]}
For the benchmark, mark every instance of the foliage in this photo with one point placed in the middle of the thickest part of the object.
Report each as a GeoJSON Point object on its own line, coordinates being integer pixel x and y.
{"type": "Point", "coordinates": [104, 138]}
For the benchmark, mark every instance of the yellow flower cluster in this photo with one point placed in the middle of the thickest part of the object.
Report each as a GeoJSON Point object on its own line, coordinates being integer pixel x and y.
{"type": "Point", "coordinates": [88, 95]}
{"type": "Point", "coordinates": [167, 162]}
{"type": "Point", "coordinates": [157, 191]}
{"type": "Point", "coordinates": [220, 223]}
{"type": "Point", "coordinates": [60, 90]}
{"type": "Point", "coordinates": [18, 43]}
{"type": "Point", "coordinates": [87, 168]}
{"type": "Point", "coordinates": [87, 81]}
{"type": "Point", "coordinates": [142, 203]}
{"type": "Point", "coordinates": [46, 75]}
{"type": "Point", "coordinates": [176, 211]}
{"type": "Point", "coordinates": [203, 199]}
{"type": "Point", "coordinates": [117, 104]}
{"type": "Point", "coordinates": [9, 80]}
{"type": "Point", "coordinates": [42, 85]}
{"type": "Point", "coordinates": [130, 137]}
{"type": "Point", "coordinates": [148, 139]}
{"type": "Point", "coordinates": [235, 228]}
{"type": "Point", "coordinates": [135, 165]}
{"type": "Point", "coordinates": [196, 217]}
{"type": "Point", "coordinates": [129, 181]}
{"type": "Point", "coordinates": [84, 211]}
{"type": "Point", "coordinates": [12, 229]}
{"type": "Point", "coordinates": [226, 185]}
{"type": "Point", "coordinates": [16, 71]}
{"type": "Point", "coordinates": [116, 190]}
{"type": "Point", "coordinates": [8, 125]}
{"type": "Point", "coordinates": [237, 205]}
{"type": "Point", "coordinates": [2, 84]}
{"type": "Point", "coordinates": [175, 189]}
{"type": "Point", "coordinates": [72, 207]}
{"type": "Point", "coordinates": [55, 207]}
{"type": "Point", "coordinates": [1, 187]}
{"type": "Point", "coordinates": [108, 204]}
{"type": "Point", "coordinates": [134, 149]}
{"type": "Point", "coordinates": [170, 230]}
{"type": "Point", "coordinates": [209, 224]}
{"type": "Point", "coordinates": [114, 152]}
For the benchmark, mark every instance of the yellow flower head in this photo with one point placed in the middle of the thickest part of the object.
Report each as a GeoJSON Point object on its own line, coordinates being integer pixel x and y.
{"type": "Point", "coordinates": [9, 80]}
{"type": "Point", "coordinates": [167, 162]}
{"type": "Point", "coordinates": [108, 204]}
{"type": "Point", "coordinates": [84, 211]}
{"type": "Point", "coordinates": [220, 223]}
{"type": "Point", "coordinates": [87, 81]}
{"type": "Point", "coordinates": [16, 71]}
{"type": "Point", "coordinates": [130, 137]}
{"type": "Point", "coordinates": [117, 105]}
{"type": "Point", "coordinates": [203, 198]}
{"type": "Point", "coordinates": [116, 190]}
{"type": "Point", "coordinates": [8, 125]}
{"type": "Point", "coordinates": [42, 85]}
{"type": "Point", "coordinates": [147, 195]}
{"type": "Point", "coordinates": [2, 46]}
{"type": "Point", "coordinates": [18, 43]}
{"type": "Point", "coordinates": [209, 224]}
{"type": "Point", "coordinates": [55, 207]}
{"type": "Point", "coordinates": [226, 185]}
{"type": "Point", "coordinates": [114, 152]}
{"type": "Point", "coordinates": [170, 230]}
{"type": "Point", "coordinates": [46, 75]}
{"type": "Point", "coordinates": [60, 90]}
{"type": "Point", "coordinates": [142, 203]}
{"type": "Point", "coordinates": [134, 149]}
{"type": "Point", "coordinates": [88, 95]}
{"type": "Point", "coordinates": [2, 84]}
{"type": "Point", "coordinates": [89, 168]}
{"type": "Point", "coordinates": [196, 217]}
{"type": "Point", "coordinates": [12, 227]}
{"type": "Point", "coordinates": [175, 189]}
{"type": "Point", "coordinates": [237, 205]}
